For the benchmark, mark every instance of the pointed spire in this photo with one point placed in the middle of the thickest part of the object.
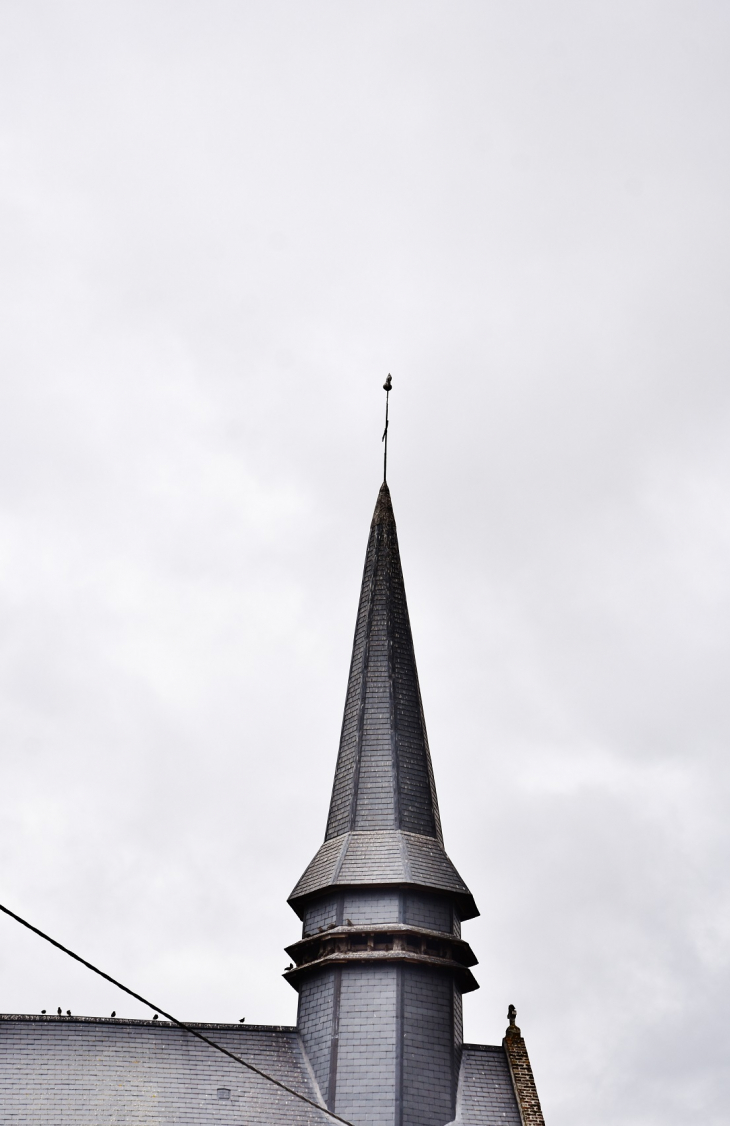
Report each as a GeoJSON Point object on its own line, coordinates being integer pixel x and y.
{"type": "Point", "coordinates": [383, 825]}
{"type": "Point", "coordinates": [384, 778]}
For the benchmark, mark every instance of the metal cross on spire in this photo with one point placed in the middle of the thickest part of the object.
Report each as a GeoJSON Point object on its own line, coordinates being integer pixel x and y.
{"type": "Point", "coordinates": [387, 388]}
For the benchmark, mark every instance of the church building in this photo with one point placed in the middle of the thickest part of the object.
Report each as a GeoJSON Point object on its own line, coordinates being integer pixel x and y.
{"type": "Point", "coordinates": [380, 968]}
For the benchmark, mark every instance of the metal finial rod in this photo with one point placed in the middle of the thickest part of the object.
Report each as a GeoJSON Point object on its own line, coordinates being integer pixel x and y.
{"type": "Point", "coordinates": [387, 388]}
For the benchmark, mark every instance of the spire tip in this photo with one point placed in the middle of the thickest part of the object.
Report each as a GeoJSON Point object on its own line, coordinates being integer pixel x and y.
{"type": "Point", "coordinates": [387, 387]}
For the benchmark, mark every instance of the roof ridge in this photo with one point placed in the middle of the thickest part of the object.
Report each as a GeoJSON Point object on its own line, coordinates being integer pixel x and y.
{"type": "Point", "coordinates": [51, 1018]}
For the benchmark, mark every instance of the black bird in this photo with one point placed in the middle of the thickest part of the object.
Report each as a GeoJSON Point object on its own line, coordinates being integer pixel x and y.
{"type": "Point", "coordinates": [43, 1012]}
{"type": "Point", "coordinates": [114, 1013]}
{"type": "Point", "coordinates": [241, 1020]}
{"type": "Point", "coordinates": [155, 1017]}
{"type": "Point", "coordinates": [388, 382]}
{"type": "Point", "coordinates": [59, 1012]}
{"type": "Point", "coordinates": [68, 1012]}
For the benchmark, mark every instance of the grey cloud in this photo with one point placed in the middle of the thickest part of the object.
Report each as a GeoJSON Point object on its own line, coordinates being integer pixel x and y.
{"type": "Point", "coordinates": [222, 225]}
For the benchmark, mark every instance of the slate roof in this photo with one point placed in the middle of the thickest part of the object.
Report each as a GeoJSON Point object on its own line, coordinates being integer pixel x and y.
{"type": "Point", "coordinates": [79, 1071]}
{"type": "Point", "coordinates": [383, 857]}
{"type": "Point", "coordinates": [88, 1071]}
{"type": "Point", "coordinates": [383, 825]}
{"type": "Point", "coordinates": [485, 1095]}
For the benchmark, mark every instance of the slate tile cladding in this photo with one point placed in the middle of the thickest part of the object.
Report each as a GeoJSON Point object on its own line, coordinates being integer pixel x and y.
{"type": "Point", "coordinates": [486, 1096]}
{"type": "Point", "coordinates": [367, 1053]}
{"type": "Point", "coordinates": [458, 1017]}
{"type": "Point", "coordinates": [315, 1024]}
{"type": "Point", "coordinates": [523, 1080]}
{"type": "Point", "coordinates": [383, 1036]}
{"type": "Point", "coordinates": [321, 913]}
{"type": "Point", "coordinates": [382, 858]}
{"type": "Point", "coordinates": [384, 1042]}
{"type": "Point", "coordinates": [383, 825]}
{"type": "Point", "coordinates": [91, 1072]}
{"type": "Point", "coordinates": [384, 778]}
{"type": "Point", "coordinates": [349, 1034]}
{"type": "Point", "coordinates": [430, 1054]}
{"type": "Point", "coordinates": [433, 912]}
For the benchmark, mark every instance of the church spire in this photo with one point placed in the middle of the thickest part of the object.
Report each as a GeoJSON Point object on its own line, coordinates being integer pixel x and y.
{"type": "Point", "coordinates": [381, 965]}
{"type": "Point", "coordinates": [383, 826]}
{"type": "Point", "coordinates": [383, 778]}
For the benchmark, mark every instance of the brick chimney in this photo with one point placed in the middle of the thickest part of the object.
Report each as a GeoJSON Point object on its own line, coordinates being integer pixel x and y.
{"type": "Point", "coordinates": [521, 1071]}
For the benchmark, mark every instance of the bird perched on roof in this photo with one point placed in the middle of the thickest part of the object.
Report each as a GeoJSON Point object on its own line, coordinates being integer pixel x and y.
{"type": "Point", "coordinates": [155, 1017]}
{"type": "Point", "coordinates": [68, 1012]}
{"type": "Point", "coordinates": [241, 1020]}
{"type": "Point", "coordinates": [59, 1012]}
{"type": "Point", "coordinates": [114, 1013]}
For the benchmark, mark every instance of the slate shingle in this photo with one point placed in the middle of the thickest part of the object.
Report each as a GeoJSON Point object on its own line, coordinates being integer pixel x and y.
{"type": "Point", "coordinates": [78, 1071]}
{"type": "Point", "coordinates": [486, 1096]}
{"type": "Point", "coordinates": [383, 825]}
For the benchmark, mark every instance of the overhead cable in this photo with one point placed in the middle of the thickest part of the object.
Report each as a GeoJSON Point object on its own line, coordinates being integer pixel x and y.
{"type": "Point", "coordinates": [186, 1027]}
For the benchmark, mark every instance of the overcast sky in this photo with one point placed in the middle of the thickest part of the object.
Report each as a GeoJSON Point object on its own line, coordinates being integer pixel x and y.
{"type": "Point", "coordinates": [222, 224]}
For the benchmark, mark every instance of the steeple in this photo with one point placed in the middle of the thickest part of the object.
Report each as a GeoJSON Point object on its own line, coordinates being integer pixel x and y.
{"type": "Point", "coordinates": [383, 778]}
{"type": "Point", "coordinates": [383, 826]}
{"type": "Point", "coordinates": [381, 965]}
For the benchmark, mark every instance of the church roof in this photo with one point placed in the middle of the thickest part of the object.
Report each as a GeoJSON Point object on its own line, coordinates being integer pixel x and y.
{"type": "Point", "coordinates": [79, 1070]}
{"type": "Point", "coordinates": [82, 1070]}
{"type": "Point", "coordinates": [383, 825]}
{"type": "Point", "coordinates": [485, 1094]}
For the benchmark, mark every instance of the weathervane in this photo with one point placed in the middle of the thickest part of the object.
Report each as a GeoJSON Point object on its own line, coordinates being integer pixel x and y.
{"type": "Point", "coordinates": [387, 388]}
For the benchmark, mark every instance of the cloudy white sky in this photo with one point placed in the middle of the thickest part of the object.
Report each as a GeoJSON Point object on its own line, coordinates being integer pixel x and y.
{"type": "Point", "coordinates": [222, 224]}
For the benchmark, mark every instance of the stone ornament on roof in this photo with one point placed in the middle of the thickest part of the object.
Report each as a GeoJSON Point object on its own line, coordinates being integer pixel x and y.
{"type": "Point", "coordinates": [521, 1071]}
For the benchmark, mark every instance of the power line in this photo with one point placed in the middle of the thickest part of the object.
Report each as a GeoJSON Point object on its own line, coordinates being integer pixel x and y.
{"type": "Point", "coordinates": [179, 1023]}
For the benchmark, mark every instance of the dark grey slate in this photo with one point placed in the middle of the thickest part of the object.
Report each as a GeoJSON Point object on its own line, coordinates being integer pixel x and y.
{"type": "Point", "coordinates": [383, 778]}
{"type": "Point", "coordinates": [381, 858]}
{"type": "Point", "coordinates": [86, 1070]}
{"type": "Point", "coordinates": [397, 1032]}
{"type": "Point", "coordinates": [383, 825]}
{"type": "Point", "coordinates": [486, 1096]}
{"type": "Point", "coordinates": [94, 1072]}
{"type": "Point", "coordinates": [384, 1037]}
